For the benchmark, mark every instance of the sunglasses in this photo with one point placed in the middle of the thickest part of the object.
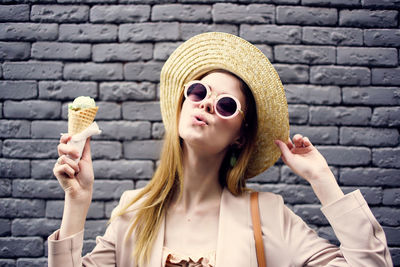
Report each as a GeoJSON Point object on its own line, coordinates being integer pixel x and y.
{"type": "Point", "coordinates": [226, 106]}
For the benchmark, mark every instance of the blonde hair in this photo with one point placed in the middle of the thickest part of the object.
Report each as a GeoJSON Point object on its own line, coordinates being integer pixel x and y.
{"type": "Point", "coordinates": [168, 179]}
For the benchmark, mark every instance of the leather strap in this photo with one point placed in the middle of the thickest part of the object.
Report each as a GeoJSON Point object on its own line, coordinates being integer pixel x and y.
{"type": "Point", "coordinates": [255, 217]}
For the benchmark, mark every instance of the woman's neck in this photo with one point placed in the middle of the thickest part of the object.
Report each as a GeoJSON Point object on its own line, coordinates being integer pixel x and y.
{"type": "Point", "coordinates": [200, 174]}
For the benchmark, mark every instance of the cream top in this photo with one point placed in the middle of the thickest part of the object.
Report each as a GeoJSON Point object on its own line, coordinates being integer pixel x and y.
{"type": "Point", "coordinates": [175, 259]}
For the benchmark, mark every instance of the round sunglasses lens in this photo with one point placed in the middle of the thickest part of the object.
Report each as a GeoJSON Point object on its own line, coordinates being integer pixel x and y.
{"type": "Point", "coordinates": [226, 106]}
{"type": "Point", "coordinates": [196, 92]}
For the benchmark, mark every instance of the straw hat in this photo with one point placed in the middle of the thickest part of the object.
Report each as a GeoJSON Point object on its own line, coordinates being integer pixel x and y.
{"type": "Point", "coordinates": [216, 50]}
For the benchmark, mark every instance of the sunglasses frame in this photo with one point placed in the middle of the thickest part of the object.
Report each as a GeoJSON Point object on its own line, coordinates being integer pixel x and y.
{"type": "Point", "coordinates": [208, 95]}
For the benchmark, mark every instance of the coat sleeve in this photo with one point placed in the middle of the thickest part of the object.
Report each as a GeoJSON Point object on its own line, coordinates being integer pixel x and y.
{"type": "Point", "coordinates": [362, 240]}
{"type": "Point", "coordinates": [68, 251]}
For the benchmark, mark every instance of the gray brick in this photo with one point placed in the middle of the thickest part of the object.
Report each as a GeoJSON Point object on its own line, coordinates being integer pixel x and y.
{"type": "Point", "coordinates": [60, 51]}
{"type": "Point", "coordinates": [318, 135]}
{"type": "Point", "coordinates": [14, 50]}
{"type": "Point", "coordinates": [106, 150]}
{"type": "Point", "coordinates": [298, 114]}
{"type": "Point", "coordinates": [110, 189]}
{"type": "Point", "coordinates": [125, 130]}
{"type": "Point", "coordinates": [157, 130]}
{"type": "Point", "coordinates": [10, 13]}
{"type": "Point", "coordinates": [32, 70]}
{"type": "Point", "coordinates": [32, 109]}
{"type": "Point", "coordinates": [373, 195]}
{"type": "Point", "coordinates": [292, 194]}
{"type": "Point", "coordinates": [271, 175]}
{"type": "Point", "coordinates": [367, 56]}
{"type": "Point", "coordinates": [31, 262]}
{"type": "Point", "coordinates": [387, 216]}
{"type": "Point", "coordinates": [267, 51]}
{"type": "Point", "coordinates": [386, 76]}
{"type": "Point", "coordinates": [305, 54]}
{"type": "Point", "coordinates": [7, 263]}
{"type": "Point", "coordinates": [293, 73]}
{"type": "Point", "coordinates": [59, 13]}
{"type": "Point", "coordinates": [48, 129]}
{"type": "Point", "coordinates": [14, 128]}
{"type": "Point", "coordinates": [138, 32]}
{"type": "Point", "coordinates": [109, 207]}
{"type": "Point", "coordinates": [178, 12]}
{"type": "Point", "coordinates": [21, 247]}
{"type": "Point", "coordinates": [346, 156]}
{"type": "Point", "coordinates": [312, 94]}
{"type": "Point", "coordinates": [271, 34]}
{"type": "Point", "coordinates": [20, 208]}
{"type": "Point", "coordinates": [311, 214]}
{"type": "Point", "coordinates": [142, 149]}
{"type": "Point", "coordinates": [34, 227]}
{"type": "Point", "coordinates": [141, 111]}
{"type": "Point", "coordinates": [18, 90]}
{"type": "Point", "coordinates": [5, 189]}
{"type": "Point", "coordinates": [5, 227]}
{"type": "Point", "coordinates": [391, 196]}
{"type": "Point", "coordinates": [162, 50]}
{"type": "Point", "coordinates": [42, 169]}
{"type": "Point", "coordinates": [371, 96]}
{"type": "Point", "coordinates": [372, 137]}
{"type": "Point", "coordinates": [236, 14]}
{"type": "Point", "coordinates": [66, 90]}
{"type": "Point", "coordinates": [88, 33]}
{"type": "Point", "coordinates": [340, 115]}
{"type": "Point", "coordinates": [123, 169]}
{"type": "Point", "coordinates": [28, 32]}
{"type": "Point", "coordinates": [35, 149]}
{"type": "Point", "coordinates": [140, 184]}
{"type": "Point", "coordinates": [382, 37]}
{"type": "Point", "coordinates": [108, 111]}
{"type": "Point", "coordinates": [138, 71]}
{"type": "Point", "coordinates": [332, 36]}
{"type": "Point", "coordinates": [88, 1]}
{"type": "Point", "coordinates": [88, 246]}
{"type": "Point", "coordinates": [13, 168]}
{"type": "Point", "coordinates": [370, 176]}
{"type": "Point", "coordinates": [127, 91]}
{"type": "Point", "coordinates": [306, 15]}
{"type": "Point", "coordinates": [386, 117]}
{"type": "Point", "coordinates": [339, 75]}
{"type": "Point", "coordinates": [95, 228]}
{"type": "Point", "coordinates": [122, 52]}
{"type": "Point", "coordinates": [368, 18]}
{"type": "Point", "coordinates": [119, 13]}
{"type": "Point", "coordinates": [93, 71]}
{"type": "Point", "coordinates": [39, 189]}
{"type": "Point", "coordinates": [392, 236]}
{"type": "Point", "coordinates": [54, 209]}
{"type": "Point", "coordinates": [380, 3]}
{"type": "Point", "coordinates": [191, 29]}
{"type": "Point", "coordinates": [386, 157]}
{"type": "Point", "coordinates": [338, 3]}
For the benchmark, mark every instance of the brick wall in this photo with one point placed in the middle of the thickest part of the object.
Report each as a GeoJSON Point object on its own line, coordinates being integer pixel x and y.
{"type": "Point", "coordinates": [338, 59]}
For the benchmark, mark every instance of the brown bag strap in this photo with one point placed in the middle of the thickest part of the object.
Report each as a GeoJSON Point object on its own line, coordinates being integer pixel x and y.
{"type": "Point", "coordinates": [255, 217]}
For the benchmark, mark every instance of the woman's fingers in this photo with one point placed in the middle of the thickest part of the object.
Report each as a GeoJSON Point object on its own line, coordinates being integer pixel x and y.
{"type": "Point", "coordinates": [71, 151]}
{"type": "Point", "coordinates": [65, 138]}
{"type": "Point", "coordinates": [86, 154]}
{"type": "Point", "coordinates": [61, 170]}
{"type": "Point", "coordinates": [66, 160]}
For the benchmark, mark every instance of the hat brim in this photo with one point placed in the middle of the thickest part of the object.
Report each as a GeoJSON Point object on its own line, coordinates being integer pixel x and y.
{"type": "Point", "coordinates": [216, 50]}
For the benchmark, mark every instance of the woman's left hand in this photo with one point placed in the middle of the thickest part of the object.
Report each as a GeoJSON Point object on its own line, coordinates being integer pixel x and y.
{"type": "Point", "coordinates": [303, 158]}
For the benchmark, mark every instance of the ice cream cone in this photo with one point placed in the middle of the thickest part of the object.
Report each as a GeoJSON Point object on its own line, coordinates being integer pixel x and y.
{"type": "Point", "coordinates": [80, 119]}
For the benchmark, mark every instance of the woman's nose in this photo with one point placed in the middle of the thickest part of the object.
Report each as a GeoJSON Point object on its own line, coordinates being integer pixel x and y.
{"type": "Point", "coordinates": [208, 104]}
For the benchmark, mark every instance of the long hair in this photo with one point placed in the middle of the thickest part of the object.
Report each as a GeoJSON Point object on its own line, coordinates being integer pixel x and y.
{"type": "Point", "coordinates": [168, 179]}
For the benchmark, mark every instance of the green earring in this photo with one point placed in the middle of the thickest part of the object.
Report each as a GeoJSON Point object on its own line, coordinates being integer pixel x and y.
{"type": "Point", "coordinates": [233, 160]}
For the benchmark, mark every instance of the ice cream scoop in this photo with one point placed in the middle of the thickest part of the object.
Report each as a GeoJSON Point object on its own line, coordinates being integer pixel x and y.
{"type": "Point", "coordinates": [82, 102]}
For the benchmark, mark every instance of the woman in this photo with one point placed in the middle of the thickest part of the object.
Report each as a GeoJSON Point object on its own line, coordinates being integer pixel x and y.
{"type": "Point", "coordinates": [225, 117]}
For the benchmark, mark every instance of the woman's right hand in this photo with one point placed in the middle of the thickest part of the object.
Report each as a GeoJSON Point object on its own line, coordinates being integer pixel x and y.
{"type": "Point", "coordinates": [75, 178]}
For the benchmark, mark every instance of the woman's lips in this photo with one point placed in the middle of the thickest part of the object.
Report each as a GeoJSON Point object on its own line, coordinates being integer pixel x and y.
{"type": "Point", "coordinates": [200, 120]}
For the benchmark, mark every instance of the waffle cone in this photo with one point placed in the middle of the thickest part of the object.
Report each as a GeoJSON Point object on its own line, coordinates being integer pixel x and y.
{"type": "Point", "coordinates": [81, 119]}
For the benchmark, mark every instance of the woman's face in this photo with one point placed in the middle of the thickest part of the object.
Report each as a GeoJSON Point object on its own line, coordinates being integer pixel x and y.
{"type": "Point", "coordinates": [201, 127]}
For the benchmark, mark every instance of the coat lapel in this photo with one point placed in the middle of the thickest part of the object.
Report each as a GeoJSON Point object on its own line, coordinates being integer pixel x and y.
{"type": "Point", "coordinates": [156, 254]}
{"type": "Point", "coordinates": [235, 247]}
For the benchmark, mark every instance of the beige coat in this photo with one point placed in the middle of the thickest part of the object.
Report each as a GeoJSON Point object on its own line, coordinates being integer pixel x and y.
{"type": "Point", "coordinates": [288, 240]}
